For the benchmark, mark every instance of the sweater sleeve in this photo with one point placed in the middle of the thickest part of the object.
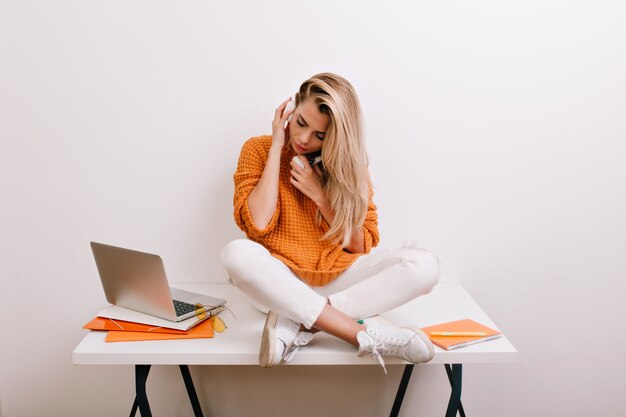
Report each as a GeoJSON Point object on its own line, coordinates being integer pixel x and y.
{"type": "Point", "coordinates": [370, 225]}
{"type": "Point", "coordinates": [249, 170]}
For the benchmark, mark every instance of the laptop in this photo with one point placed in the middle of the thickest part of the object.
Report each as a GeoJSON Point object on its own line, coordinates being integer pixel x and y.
{"type": "Point", "coordinates": [137, 280]}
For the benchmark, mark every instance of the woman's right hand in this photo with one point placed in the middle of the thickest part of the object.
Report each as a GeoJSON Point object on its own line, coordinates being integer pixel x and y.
{"type": "Point", "coordinates": [280, 132]}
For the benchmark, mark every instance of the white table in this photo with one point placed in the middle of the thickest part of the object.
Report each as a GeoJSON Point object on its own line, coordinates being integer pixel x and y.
{"type": "Point", "coordinates": [239, 344]}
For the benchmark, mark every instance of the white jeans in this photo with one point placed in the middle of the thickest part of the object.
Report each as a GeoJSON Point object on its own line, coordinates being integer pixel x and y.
{"type": "Point", "coordinates": [374, 283]}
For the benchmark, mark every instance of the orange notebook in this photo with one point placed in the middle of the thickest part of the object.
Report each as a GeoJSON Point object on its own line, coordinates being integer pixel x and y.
{"type": "Point", "coordinates": [456, 342]}
{"type": "Point", "coordinates": [204, 330]}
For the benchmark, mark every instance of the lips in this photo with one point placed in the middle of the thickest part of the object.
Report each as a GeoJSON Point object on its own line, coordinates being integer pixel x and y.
{"type": "Point", "coordinates": [299, 148]}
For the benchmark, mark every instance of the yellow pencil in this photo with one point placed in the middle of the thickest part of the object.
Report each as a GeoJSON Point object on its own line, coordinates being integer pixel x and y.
{"type": "Point", "coordinates": [458, 334]}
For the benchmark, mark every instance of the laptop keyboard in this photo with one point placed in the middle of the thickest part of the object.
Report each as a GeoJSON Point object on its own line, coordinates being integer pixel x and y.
{"type": "Point", "coordinates": [183, 308]}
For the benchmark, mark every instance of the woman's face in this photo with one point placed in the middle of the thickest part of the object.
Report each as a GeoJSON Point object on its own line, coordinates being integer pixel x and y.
{"type": "Point", "coordinates": [307, 128]}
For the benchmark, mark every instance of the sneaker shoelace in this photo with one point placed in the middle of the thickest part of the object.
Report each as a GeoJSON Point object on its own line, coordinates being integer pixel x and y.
{"type": "Point", "coordinates": [302, 339]}
{"type": "Point", "coordinates": [381, 348]}
{"type": "Point", "coordinates": [376, 352]}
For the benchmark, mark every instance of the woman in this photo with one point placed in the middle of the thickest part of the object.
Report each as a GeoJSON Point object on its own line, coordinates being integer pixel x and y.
{"type": "Point", "coordinates": [310, 231]}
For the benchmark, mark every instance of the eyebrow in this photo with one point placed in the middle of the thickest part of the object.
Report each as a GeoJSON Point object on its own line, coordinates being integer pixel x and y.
{"type": "Point", "coordinates": [304, 121]}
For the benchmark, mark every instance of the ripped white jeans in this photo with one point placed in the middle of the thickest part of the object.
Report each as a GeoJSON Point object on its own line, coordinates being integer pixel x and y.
{"type": "Point", "coordinates": [374, 283]}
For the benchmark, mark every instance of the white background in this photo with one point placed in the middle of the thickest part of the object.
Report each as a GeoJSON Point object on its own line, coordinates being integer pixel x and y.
{"type": "Point", "coordinates": [496, 133]}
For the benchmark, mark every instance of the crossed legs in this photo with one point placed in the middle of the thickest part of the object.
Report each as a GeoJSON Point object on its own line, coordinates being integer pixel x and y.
{"type": "Point", "coordinates": [375, 283]}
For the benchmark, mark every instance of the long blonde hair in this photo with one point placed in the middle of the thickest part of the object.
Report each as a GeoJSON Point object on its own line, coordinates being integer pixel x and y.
{"type": "Point", "coordinates": [345, 179]}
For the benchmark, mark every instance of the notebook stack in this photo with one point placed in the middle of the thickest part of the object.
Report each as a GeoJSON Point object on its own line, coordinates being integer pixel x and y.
{"type": "Point", "coordinates": [127, 331]}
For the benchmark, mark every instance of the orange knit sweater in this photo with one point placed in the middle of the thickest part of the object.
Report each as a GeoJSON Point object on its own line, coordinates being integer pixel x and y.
{"type": "Point", "coordinates": [292, 234]}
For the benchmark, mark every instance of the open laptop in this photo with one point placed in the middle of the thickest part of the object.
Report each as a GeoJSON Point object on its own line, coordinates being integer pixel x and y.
{"type": "Point", "coordinates": [137, 280]}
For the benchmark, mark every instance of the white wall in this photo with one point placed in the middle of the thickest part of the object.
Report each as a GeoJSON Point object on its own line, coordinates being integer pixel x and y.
{"type": "Point", "coordinates": [496, 136]}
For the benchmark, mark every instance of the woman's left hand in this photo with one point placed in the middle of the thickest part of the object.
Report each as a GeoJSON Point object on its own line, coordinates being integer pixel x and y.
{"type": "Point", "coordinates": [307, 180]}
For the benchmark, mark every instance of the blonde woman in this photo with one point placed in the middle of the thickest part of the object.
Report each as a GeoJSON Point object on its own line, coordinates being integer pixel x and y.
{"type": "Point", "coordinates": [311, 229]}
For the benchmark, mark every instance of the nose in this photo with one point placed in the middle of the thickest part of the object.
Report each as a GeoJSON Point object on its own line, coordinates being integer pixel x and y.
{"type": "Point", "coordinates": [305, 138]}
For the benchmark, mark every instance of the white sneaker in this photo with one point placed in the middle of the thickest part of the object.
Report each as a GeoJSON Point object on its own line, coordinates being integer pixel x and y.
{"type": "Point", "coordinates": [382, 338]}
{"type": "Point", "coordinates": [281, 340]}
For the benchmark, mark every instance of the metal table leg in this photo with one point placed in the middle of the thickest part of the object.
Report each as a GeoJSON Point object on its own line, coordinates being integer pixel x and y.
{"type": "Point", "coordinates": [404, 383]}
{"type": "Point", "coordinates": [141, 398]}
{"type": "Point", "coordinates": [455, 376]}
{"type": "Point", "coordinates": [191, 391]}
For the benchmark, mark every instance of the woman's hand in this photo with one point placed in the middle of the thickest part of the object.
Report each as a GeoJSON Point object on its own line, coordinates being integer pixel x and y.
{"type": "Point", "coordinates": [280, 133]}
{"type": "Point", "coordinates": [307, 180]}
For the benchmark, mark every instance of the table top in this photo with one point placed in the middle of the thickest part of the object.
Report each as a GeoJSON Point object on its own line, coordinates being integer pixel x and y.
{"type": "Point", "coordinates": [239, 343]}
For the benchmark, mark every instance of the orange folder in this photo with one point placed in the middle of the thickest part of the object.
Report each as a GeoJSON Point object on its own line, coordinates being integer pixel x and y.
{"type": "Point", "coordinates": [102, 323]}
{"type": "Point", "coordinates": [455, 342]}
{"type": "Point", "coordinates": [204, 330]}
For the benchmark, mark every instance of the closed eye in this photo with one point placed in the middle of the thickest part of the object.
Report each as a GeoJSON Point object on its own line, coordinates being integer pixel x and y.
{"type": "Point", "coordinates": [320, 135]}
